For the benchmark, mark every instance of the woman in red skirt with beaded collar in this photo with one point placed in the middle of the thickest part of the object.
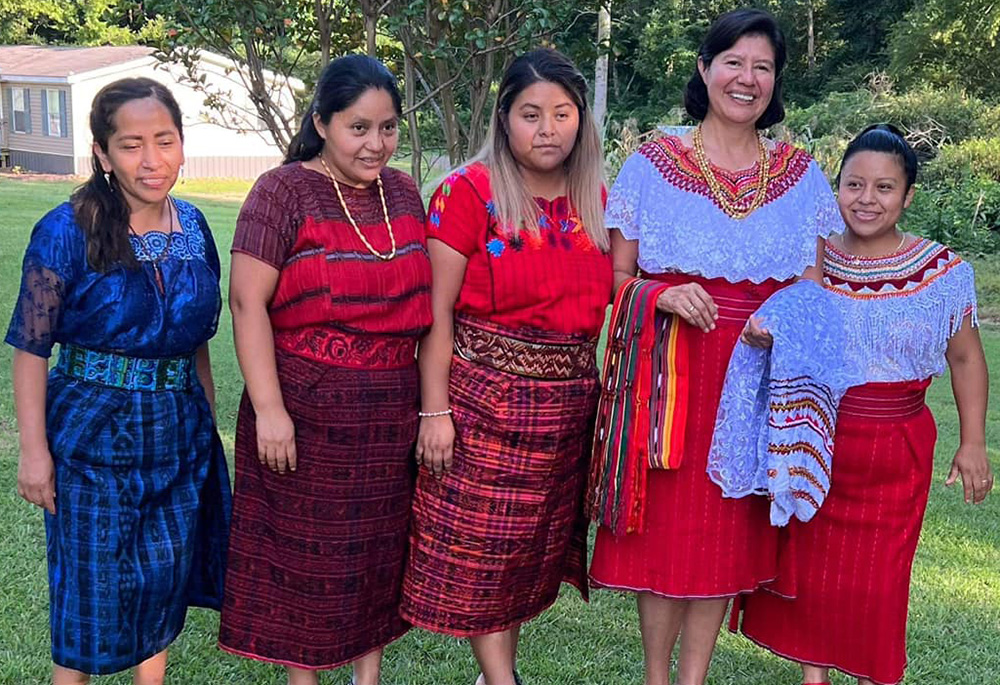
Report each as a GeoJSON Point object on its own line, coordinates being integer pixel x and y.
{"type": "Point", "coordinates": [724, 217]}
{"type": "Point", "coordinates": [330, 292]}
{"type": "Point", "coordinates": [909, 307]}
{"type": "Point", "coordinates": [522, 278]}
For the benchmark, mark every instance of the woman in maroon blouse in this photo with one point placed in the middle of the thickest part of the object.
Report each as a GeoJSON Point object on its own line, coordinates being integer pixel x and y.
{"type": "Point", "coordinates": [330, 291]}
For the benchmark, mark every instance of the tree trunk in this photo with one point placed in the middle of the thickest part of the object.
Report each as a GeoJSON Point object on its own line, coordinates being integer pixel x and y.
{"type": "Point", "coordinates": [446, 96]}
{"type": "Point", "coordinates": [480, 99]}
{"type": "Point", "coordinates": [370, 10]}
{"type": "Point", "coordinates": [416, 151]}
{"type": "Point", "coordinates": [601, 68]}
{"type": "Point", "coordinates": [811, 49]}
{"type": "Point", "coordinates": [323, 26]}
{"type": "Point", "coordinates": [371, 22]}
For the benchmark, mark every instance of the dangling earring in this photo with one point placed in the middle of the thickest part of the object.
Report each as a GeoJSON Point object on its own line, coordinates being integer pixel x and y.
{"type": "Point", "coordinates": [107, 177]}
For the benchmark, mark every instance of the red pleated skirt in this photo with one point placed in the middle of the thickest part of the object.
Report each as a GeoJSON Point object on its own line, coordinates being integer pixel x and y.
{"type": "Point", "coordinates": [849, 568]}
{"type": "Point", "coordinates": [493, 539]}
{"type": "Point", "coordinates": [696, 544]}
{"type": "Point", "coordinates": [316, 556]}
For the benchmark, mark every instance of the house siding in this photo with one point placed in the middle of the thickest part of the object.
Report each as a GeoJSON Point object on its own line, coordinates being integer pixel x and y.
{"type": "Point", "coordinates": [37, 142]}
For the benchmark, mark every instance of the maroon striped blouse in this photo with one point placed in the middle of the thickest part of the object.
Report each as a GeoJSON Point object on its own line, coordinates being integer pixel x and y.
{"type": "Point", "coordinates": [293, 221]}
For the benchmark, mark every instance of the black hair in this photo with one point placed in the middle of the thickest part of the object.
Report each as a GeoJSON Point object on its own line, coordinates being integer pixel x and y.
{"type": "Point", "coordinates": [888, 139]}
{"type": "Point", "coordinates": [342, 82]}
{"type": "Point", "coordinates": [722, 35]}
{"type": "Point", "coordinates": [99, 207]}
{"type": "Point", "coordinates": [534, 66]}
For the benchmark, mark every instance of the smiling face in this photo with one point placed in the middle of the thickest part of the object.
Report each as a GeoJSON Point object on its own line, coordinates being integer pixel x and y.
{"type": "Point", "coordinates": [360, 140]}
{"type": "Point", "coordinates": [144, 153]}
{"type": "Point", "coordinates": [872, 194]}
{"type": "Point", "coordinates": [740, 80]}
{"type": "Point", "coordinates": [541, 127]}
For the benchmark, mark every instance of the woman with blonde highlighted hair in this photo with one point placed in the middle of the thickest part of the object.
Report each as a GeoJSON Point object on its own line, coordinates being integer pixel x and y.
{"type": "Point", "coordinates": [521, 279]}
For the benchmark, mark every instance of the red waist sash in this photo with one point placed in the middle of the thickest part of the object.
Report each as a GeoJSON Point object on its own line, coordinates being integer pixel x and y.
{"type": "Point", "coordinates": [337, 348]}
{"type": "Point", "coordinates": [885, 401]}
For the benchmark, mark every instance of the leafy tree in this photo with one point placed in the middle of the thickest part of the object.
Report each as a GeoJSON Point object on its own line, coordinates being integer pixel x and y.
{"type": "Point", "coordinates": [77, 22]}
{"type": "Point", "coordinates": [290, 40]}
{"type": "Point", "coordinates": [949, 43]}
{"type": "Point", "coordinates": [458, 50]}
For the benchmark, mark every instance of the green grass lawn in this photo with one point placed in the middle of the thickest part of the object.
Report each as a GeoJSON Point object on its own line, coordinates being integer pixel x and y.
{"type": "Point", "coordinates": [954, 614]}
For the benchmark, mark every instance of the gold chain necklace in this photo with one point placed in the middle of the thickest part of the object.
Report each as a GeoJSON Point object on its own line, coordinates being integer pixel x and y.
{"type": "Point", "coordinates": [354, 224]}
{"type": "Point", "coordinates": [714, 185]}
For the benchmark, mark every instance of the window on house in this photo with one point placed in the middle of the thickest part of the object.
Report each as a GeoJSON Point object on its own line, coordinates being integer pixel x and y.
{"type": "Point", "coordinates": [20, 110]}
{"type": "Point", "coordinates": [54, 113]}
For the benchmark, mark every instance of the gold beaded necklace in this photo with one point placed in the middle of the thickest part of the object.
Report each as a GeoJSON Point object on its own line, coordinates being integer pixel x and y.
{"type": "Point", "coordinates": [714, 185]}
{"type": "Point", "coordinates": [354, 224]}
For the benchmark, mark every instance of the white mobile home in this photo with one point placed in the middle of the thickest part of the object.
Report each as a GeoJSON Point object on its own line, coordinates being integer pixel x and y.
{"type": "Point", "coordinates": [46, 93]}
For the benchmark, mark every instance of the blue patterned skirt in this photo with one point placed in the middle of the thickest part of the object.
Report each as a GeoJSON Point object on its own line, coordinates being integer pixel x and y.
{"type": "Point", "coordinates": [142, 518]}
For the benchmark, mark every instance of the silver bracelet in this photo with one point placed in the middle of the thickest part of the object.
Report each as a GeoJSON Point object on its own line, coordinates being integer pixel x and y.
{"type": "Point", "coordinates": [429, 414]}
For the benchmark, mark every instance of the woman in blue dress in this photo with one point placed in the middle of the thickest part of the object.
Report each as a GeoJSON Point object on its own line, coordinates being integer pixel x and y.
{"type": "Point", "coordinates": [118, 442]}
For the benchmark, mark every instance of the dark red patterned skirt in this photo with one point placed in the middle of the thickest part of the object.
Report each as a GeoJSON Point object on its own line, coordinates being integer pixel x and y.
{"type": "Point", "coordinates": [492, 540]}
{"type": "Point", "coordinates": [849, 568]}
{"type": "Point", "coordinates": [316, 556]}
{"type": "Point", "coordinates": [696, 544]}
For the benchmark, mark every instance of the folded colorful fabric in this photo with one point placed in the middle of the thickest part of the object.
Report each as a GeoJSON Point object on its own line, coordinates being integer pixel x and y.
{"type": "Point", "coordinates": [775, 427]}
{"type": "Point", "coordinates": [642, 408]}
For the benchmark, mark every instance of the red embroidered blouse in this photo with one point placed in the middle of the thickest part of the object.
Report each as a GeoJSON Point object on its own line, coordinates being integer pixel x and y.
{"type": "Point", "coordinates": [293, 221]}
{"type": "Point", "coordinates": [555, 281]}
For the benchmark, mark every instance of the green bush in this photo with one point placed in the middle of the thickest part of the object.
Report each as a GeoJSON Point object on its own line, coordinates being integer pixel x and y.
{"type": "Point", "coordinates": [964, 215]}
{"type": "Point", "coordinates": [930, 118]}
{"type": "Point", "coordinates": [973, 157]}
{"type": "Point", "coordinates": [838, 114]}
{"type": "Point", "coordinates": [987, 124]}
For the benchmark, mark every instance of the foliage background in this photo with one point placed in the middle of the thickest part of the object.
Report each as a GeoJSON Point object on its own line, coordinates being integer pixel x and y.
{"type": "Point", "coordinates": [928, 66]}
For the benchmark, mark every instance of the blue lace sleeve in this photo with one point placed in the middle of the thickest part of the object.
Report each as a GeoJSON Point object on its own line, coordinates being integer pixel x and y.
{"type": "Point", "coordinates": [51, 261]}
{"type": "Point", "coordinates": [624, 200]}
{"type": "Point", "coordinates": [825, 218]}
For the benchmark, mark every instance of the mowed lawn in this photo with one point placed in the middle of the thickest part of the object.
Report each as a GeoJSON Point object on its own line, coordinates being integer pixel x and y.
{"type": "Point", "coordinates": [954, 616]}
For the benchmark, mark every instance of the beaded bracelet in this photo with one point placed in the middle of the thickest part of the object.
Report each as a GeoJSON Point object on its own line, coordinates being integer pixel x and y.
{"type": "Point", "coordinates": [429, 414]}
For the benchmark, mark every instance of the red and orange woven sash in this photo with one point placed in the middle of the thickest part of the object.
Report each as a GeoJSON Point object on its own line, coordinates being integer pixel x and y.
{"type": "Point", "coordinates": [643, 405]}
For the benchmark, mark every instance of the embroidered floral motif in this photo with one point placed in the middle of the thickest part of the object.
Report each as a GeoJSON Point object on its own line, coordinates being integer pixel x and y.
{"type": "Point", "coordinates": [496, 247]}
{"type": "Point", "coordinates": [565, 233]}
{"type": "Point", "coordinates": [441, 198]}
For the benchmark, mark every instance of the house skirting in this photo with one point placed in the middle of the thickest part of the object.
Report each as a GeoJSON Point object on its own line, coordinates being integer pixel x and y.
{"type": "Point", "coordinates": [41, 162]}
{"type": "Point", "coordinates": [207, 167]}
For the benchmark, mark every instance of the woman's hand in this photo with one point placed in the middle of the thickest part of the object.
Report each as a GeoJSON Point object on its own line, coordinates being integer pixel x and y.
{"type": "Point", "coordinates": [276, 440]}
{"type": "Point", "coordinates": [691, 303]}
{"type": "Point", "coordinates": [36, 479]}
{"type": "Point", "coordinates": [436, 444]}
{"type": "Point", "coordinates": [977, 477]}
{"type": "Point", "coordinates": [755, 335]}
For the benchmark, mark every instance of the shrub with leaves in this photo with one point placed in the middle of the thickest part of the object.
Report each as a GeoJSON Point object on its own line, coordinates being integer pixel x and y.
{"type": "Point", "coordinates": [964, 215]}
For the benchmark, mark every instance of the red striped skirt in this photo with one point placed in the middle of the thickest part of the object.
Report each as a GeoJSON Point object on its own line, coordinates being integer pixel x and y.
{"type": "Point", "coordinates": [316, 556]}
{"type": "Point", "coordinates": [696, 544]}
{"type": "Point", "coordinates": [492, 540]}
{"type": "Point", "coordinates": [849, 568]}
